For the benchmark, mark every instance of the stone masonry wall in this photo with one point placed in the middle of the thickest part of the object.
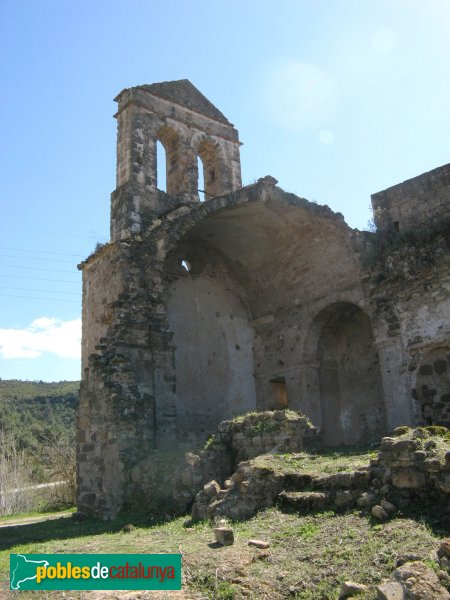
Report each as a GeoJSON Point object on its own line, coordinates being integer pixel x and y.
{"type": "Point", "coordinates": [415, 203]}
{"type": "Point", "coordinates": [127, 390]}
{"type": "Point", "coordinates": [415, 466]}
{"type": "Point", "coordinates": [433, 386]}
{"type": "Point", "coordinates": [409, 290]}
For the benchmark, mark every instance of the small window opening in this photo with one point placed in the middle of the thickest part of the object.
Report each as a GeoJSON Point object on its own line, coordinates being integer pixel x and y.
{"type": "Point", "coordinates": [278, 394]}
{"type": "Point", "coordinates": [186, 265]}
{"type": "Point", "coordinates": [161, 169]}
{"type": "Point", "coordinates": [396, 226]}
{"type": "Point", "coordinates": [201, 180]}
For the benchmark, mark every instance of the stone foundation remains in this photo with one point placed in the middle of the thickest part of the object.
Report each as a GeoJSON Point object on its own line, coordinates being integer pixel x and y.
{"type": "Point", "coordinates": [411, 469]}
{"type": "Point", "coordinates": [239, 440]}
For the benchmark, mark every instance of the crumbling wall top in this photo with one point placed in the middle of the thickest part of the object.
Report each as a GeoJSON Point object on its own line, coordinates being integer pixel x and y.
{"type": "Point", "coordinates": [416, 202]}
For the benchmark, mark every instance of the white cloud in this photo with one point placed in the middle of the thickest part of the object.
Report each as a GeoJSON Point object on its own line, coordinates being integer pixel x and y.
{"type": "Point", "coordinates": [300, 96]}
{"type": "Point", "coordinates": [45, 334]}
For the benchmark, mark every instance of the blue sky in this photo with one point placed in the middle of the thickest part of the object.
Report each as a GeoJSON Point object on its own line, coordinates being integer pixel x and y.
{"type": "Point", "coordinates": [337, 99]}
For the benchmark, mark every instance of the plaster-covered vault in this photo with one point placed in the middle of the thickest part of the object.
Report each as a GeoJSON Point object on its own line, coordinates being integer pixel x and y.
{"type": "Point", "coordinates": [253, 299]}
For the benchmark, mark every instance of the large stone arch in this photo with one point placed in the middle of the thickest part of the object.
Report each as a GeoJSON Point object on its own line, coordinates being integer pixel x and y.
{"type": "Point", "coordinates": [345, 376]}
{"type": "Point", "coordinates": [260, 227]}
{"type": "Point", "coordinates": [263, 256]}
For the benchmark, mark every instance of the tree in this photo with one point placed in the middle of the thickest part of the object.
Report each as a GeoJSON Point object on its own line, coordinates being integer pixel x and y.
{"type": "Point", "coordinates": [14, 476]}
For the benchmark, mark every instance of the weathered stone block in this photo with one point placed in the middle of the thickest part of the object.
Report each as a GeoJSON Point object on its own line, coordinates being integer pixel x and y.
{"type": "Point", "coordinates": [390, 590]}
{"type": "Point", "coordinates": [444, 548]}
{"type": "Point", "coordinates": [388, 507]}
{"type": "Point", "coordinates": [224, 536]}
{"type": "Point", "coordinates": [259, 544]}
{"type": "Point", "coordinates": [350, 589]}
{"type": "Point", "coordinates": [379, 513]}
{"type": "Point", "coordinates": [366, 499]}
{"type": "Point", "coordinates": [444, 483]}
{"type": "Point", "coordinates": [344, 498]}
{"type": "Point", "coordinates": [211, 489]}
{"type": "Point", "coordinates": [192, 460]}
{"type": "Point", "coordinates": [420, 581]}
{"type": "Point", "coordinates": [408, 479]}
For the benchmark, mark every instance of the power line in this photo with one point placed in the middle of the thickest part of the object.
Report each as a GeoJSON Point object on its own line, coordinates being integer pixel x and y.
{"type": "Point", "coordinates": [39, 279]}
{"type": "Point", "coordinates": [37, 269]}
{"type": "Point", "coordinates": [40, 251]}
{"type": "Point", "coordinates": [64, 300]}
{"type": "Point", "coordinates": [8, 287]}
{"type": "Point", "coordinates": [67, 262]}
{"type": "Point", "coordinates": [59, 234]}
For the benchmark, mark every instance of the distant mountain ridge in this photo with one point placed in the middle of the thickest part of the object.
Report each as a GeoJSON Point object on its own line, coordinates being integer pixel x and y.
{"type": "Point", "coordinates": [23, 390]}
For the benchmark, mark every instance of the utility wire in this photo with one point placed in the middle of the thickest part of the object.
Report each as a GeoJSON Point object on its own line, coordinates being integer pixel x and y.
{"type": "Point", "coordinates": [39, 291]}
{"type": "Point", "coordinates": [40, 251]}
{"type": "Point", "coordinates": [67, 262]}
{"type": "Point", "coordinates": [36, 268]}
{"type": "Point", "coordinates": [40, 279]}
{"type": "Point", "coordinates": [59, 234]}
{"type": "Point", "coordinates": [63, 300]}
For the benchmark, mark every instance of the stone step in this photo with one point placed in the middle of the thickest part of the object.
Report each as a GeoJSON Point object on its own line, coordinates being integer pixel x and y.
{"type": "Point", "coordinates": [345, 480]}
{"type": "Point", "coordinates": [298, 481]}
{"type": "Point", "coordinates": [304, 500]}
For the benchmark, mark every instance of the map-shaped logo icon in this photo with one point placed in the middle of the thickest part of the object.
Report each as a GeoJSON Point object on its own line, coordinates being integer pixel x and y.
{"type": "Point", "coordinates": [23, 569]}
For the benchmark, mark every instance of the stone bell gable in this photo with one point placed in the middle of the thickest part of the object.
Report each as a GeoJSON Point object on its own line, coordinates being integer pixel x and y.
{"type": "Point", "coordinates": [188, 126]}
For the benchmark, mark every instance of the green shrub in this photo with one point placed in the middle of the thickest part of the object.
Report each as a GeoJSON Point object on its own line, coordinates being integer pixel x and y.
{"type": "Point", "coordinates": [439, 430]}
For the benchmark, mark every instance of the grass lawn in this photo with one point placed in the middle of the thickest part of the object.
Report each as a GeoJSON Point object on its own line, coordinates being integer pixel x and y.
{"type": "Point", "coordinates": [309, 556]}
{"type": "Point", "coordinates": [323, 463]}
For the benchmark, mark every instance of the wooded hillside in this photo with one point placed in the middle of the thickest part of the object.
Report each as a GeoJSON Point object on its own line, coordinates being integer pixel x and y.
{"type": "Point", "coordinates": [36, 412]}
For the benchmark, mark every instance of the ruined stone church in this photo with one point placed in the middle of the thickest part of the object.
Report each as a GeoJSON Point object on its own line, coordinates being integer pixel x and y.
{"type": "Point", "coordinates": [249, 298]}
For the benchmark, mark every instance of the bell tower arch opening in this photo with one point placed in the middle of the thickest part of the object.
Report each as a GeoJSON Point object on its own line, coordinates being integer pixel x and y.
{"type": "Point", "coordinates": [169, 171]}
{"type": "Point", "coordinates": [201, 180]}
{"type": "Point", "coordinates": [211, 159]}
{"type": "Point", "coordinates": [161, 170]}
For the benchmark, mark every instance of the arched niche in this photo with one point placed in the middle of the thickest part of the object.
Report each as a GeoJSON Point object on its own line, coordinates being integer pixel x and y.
{"type": "Point", "coordinates": [347, 376]}
{"type": "Point", "coordinates": [212, 339]}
